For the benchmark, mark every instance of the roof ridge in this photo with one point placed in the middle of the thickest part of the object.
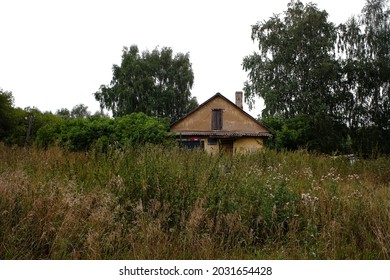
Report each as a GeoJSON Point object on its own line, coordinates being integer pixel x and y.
{"type": "Point", "coordinates": [218, 94]}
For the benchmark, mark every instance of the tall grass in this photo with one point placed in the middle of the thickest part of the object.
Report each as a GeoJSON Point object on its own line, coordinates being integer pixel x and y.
{"type": "Point", "coordinates": [156, 202]}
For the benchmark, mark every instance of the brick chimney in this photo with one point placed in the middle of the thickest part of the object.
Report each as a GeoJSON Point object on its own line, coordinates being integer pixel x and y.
{"type": "Point", "coordinates": [239, 99]}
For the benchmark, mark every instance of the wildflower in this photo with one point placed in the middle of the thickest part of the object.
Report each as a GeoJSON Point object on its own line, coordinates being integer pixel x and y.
{"type": "Point", "coordinates": [307, 199]}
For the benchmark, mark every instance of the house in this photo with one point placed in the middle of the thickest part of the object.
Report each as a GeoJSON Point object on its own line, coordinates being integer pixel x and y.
{"type": "Point", "coordinates": [219, 124]}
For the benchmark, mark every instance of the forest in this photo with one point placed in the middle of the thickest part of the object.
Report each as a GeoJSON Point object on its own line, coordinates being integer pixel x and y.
{"type": "Point", "coordinates": [325, 86]}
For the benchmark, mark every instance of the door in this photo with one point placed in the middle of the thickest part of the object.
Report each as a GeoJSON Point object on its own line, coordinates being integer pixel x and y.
{"type": "Point", "coordinates": [227, 146]}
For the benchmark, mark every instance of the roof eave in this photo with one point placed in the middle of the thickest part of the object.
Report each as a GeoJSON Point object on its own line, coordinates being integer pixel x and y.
{"type": "Point", "coordinates": [221, 133]}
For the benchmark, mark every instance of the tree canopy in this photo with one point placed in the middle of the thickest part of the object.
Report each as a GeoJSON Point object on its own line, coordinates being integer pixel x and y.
{"type": "Point", "coordinates": [364, 44]}
{"type": "Point", "coordinates": [157, 83]}
{"type": "Point", "coordinates": [80, 111]}
{"type": "Point", "coordinates": [80, 134]}
{"type": "Point", "coordinates": [335, 78]}
{"type": "Point", "coordinates": [76, 130]}
{"type": "Point", "coordinates": [294, 69]}
{"type": "Point", "coordinates": [6, 106]}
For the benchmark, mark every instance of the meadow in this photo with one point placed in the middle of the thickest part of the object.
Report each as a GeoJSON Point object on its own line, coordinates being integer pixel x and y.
{"type": "Point", "coordinates": [156, 202]}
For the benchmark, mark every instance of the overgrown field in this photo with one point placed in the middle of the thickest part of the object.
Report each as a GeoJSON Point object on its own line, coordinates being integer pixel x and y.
{"type": "Point", "coordinates": [156, 202]}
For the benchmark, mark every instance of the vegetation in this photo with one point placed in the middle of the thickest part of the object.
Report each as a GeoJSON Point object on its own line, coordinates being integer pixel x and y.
{"type": "Point", "coordinates": [81, 134]}
{"type": "Point", "coordinates": [93, 187]}
{"type": "Point", "coordinates": [76, 130]}
{"type": "Point", "coordinates": [154, 202]}
{"type": "Point", "coordinates": [157, 83]}
{"type": "Point", "coordinates": [325, 87]}
{"type": "Point", "coordinates": [6, 107]}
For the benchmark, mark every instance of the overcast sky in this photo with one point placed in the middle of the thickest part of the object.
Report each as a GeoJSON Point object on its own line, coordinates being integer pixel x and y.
{"type": "Point", "coordinates": [56, 54]}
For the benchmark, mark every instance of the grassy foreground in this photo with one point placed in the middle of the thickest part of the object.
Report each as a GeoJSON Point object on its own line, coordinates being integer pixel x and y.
{"type": "Point", "coordinates": [166, 203]}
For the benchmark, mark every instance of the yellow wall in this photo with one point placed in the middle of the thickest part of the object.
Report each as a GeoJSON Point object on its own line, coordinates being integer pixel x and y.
{"type": "Point", "coordinates": [245, 145]}
{"type": "Point", "coordinates": [241, 145]}
{"type": "Point", "coordinates": [211, 149]}
{"type": "Point", "coordinates": [234, 120]}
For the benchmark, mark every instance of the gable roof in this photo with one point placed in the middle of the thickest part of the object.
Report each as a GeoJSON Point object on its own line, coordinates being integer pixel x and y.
{"type": "Point", "coordinates": [265, 133]}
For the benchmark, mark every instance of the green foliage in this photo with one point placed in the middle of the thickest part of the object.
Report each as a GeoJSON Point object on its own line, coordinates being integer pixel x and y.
{"type": "Point", "coordinates": [79, 111]}
{"type": "Point", "coordinates": [157, 83]}
{"type": "Point", "coordinates": [48, 134]}
{"type": "Point", "coordinates": [371, 141]}
{"type": "Point", "coordinates": [290, 134]}
{"type": "Point", "coordinates": [76, 130]}
{"type": "Point", "coordinates": [294, 72]}
{"type": "Point", "coordinates": [14, 121]}
{"type": "Point", "coordinates": [64, 113]}
{"type": "Point", "coordinates": [304, 132]}
{"type": "Point", "coordinates": [6, 105]}
{"type": "Point", "coordinates": [336, 78]}
{"type": "Point", "coordinates": [17, 135]}
{"type": "Point", "coordinates": [156, 202]}
{"type": "Point", "coordinates": [80, 134]}
{"type": "Point", "coordinates": [294, 69]}
{"type": "Point", "coordinates": [365, 44]}
{"type": "Point", "coordinates": [138, 128]}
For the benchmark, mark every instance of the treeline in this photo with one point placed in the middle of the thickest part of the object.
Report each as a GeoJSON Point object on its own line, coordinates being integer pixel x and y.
{"type": "Point", "coordinates": [81, 134]}
{"type": "Point", "coordinates": [326, 87]}
{"type": "Point", "coordinates": [148, 91]}
{"type": "Point", "coordinates": [76, 130]}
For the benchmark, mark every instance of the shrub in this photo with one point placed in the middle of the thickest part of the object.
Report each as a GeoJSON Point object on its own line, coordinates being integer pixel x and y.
{"type": "Point", "coordinates": [82, 133]}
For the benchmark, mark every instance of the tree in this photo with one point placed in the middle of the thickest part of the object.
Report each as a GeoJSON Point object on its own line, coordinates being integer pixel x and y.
{"type": "Point", "coordinates": [157, 83]}
{"type": "Point", "coordinates": [18, 126]}
{"type": "Point", "coordinates": [13, 121]}
{"type": "Point", "coordinates": [364, 47]}
{"type": "Point", "coordinates": [63, 113]}
{"type": "Point", "coordinates": [295, 69]}
{"type": "Point", "coordinates": [80, 111]}
{"type": "Point", "coordinates": [6, 108]}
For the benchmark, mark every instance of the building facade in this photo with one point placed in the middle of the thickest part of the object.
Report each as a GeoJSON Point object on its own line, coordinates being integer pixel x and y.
{"type": "Point", "coordinates": [220, 125]}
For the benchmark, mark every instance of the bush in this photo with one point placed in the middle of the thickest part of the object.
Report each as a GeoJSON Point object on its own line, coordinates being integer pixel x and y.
{"type": "Point", "coordinates": [82, 133]}
{"type": "Point", "coordinates": [319, 134]}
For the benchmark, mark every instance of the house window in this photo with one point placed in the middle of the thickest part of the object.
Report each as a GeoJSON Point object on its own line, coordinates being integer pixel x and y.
{"type": "Point", "coordinates": [192, 143]}
{"type": "Point", "coordinates": [216, 119]}
{"type": "Point", "coordinates": [212, 141]}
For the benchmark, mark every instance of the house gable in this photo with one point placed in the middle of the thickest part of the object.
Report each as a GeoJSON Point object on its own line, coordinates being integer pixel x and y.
{"type": "Point", "coordinates": [234, 119]}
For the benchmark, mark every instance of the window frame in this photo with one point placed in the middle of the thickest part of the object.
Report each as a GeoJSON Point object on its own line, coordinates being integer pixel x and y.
{"type": "Point", "coordinates": [216, 119]}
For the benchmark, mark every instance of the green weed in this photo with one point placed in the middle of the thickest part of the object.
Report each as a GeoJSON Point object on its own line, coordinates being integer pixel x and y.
{"type": "Point", "coordinates": [155, 202]}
